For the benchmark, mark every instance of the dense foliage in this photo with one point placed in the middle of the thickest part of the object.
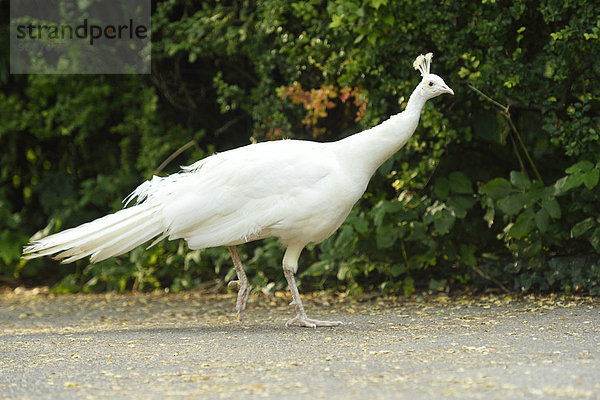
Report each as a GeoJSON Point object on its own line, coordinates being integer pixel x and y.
{"type": "Point", "coordinates": [498, 188]}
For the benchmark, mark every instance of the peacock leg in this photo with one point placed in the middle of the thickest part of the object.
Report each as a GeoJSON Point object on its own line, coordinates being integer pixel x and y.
{"type": "Point", "coordinates": [290, 266]}
{"type": "Point", "coordinates": [241, 283]}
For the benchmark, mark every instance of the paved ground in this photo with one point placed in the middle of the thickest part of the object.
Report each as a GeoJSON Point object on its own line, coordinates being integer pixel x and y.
{"type": "Point", "coordinates": [190, 346]}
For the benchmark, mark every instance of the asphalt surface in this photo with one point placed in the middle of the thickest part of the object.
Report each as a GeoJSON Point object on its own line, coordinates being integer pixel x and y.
{"type": "Point", "coordinates": [191, 346]}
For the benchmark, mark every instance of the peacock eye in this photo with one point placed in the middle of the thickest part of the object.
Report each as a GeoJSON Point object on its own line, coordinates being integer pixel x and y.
{"type": "Point", "coordinates": [430, 83]}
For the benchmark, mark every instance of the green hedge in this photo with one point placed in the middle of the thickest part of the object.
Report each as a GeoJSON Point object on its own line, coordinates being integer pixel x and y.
{"type": "Point", "coordinates": [498, 188]}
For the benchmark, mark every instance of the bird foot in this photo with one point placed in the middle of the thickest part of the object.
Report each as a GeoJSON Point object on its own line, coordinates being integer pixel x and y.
{"type": "Point", "coordinates": [242, 297]}
{"type": "Point", "coordinates": [311, 323]}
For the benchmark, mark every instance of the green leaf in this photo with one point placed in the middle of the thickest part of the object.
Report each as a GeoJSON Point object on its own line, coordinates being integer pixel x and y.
{"type": "Point", "coordinates": [542, 220]}
{"type": "Point", "coordinates": [594, 239]}
{"type": "Point", "coordinates": [497, 188]}
{"type": "Point", "coordinates": [460, 205]}
{"type": "Point", "coordinates": [336, 21]}
{"type": "Point", "coordinates": [317, 269]}
{"type": "Point", "coordinates": [559, 186]}
{"type": "Point", "coordinates": [582, 227]}
{"type": "Point", "coordinates": [522, 226]}
{"type": "Point", "coordinates": [360, 224]}
{"type": "Point", "coordinates": [344, 236]}
{"type": "Point", "coordinates": [510, 205]}
{"type": "Point", "coordinates": [372, 38]}
{"type": "Point", "coordinates": [443, 222]}
{"type": "Point", "coordinates": [581, 166]}
{"type": "Point", "coordinates": [342, 272]}
{"type": "Point", "coordinates": [459, 183]}
{"type": "Point", "coordinates": [397, 270]}
{"type": "Point", "coordinates": [358, 39]}
{"type": "Point", "coordinates": [385, 236]}
{"type": "Point", "coordinates": [550, 204]}
{"type": "Point", "coordinates": [385, 207]}
{"type": "Point", "coordinates": [378, 3]}
{"type": "Point", "coordinates": [590, 178]}
{"type": "Point", "coordinates": [441, 188]}
{"type": "Point", "coordinates": [519, 180]}
{"type": "Point", "coordinates": [463, 72]}
{"type": "Point", "coordinates": [419, 231]}
{"type": "Point", "coordinates": [432, 212]}
{"type": "Point", "coordinates": [467, 254]}
{"type": "Point", "coordinates": [436, 285]}
{"type": "Point", "coordinates": [573, 181]}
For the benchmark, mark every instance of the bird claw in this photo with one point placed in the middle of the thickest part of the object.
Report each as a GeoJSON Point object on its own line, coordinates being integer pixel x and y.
{"type": "Point", "coordinates": [311, 323]}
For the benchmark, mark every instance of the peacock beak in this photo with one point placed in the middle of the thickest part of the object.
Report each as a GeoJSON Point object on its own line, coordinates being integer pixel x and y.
{"type": "Point", "coordinates": [447, 89]}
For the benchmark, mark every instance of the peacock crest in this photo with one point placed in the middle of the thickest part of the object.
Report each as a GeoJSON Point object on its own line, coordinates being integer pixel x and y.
{"type": "Point", "coordinates": [423, 63]}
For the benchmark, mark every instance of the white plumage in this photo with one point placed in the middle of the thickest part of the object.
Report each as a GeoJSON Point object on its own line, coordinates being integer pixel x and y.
{"type": "Point", "coordinates": [297, 191]}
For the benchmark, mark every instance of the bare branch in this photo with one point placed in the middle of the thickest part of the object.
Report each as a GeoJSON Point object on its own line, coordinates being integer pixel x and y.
{"type": "Point", "coordinates": [174, 155]}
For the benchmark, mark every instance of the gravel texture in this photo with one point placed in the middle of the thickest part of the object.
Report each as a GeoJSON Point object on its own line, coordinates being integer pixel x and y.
{"type": "Point", "coordinates": [190, 345]}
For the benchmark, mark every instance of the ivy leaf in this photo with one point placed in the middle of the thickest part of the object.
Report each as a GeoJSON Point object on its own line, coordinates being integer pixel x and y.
{"type": "Point", "coordinates": [497, 188]}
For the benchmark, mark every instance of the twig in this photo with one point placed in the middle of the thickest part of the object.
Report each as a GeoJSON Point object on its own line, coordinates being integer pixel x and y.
{"type": "Point", "coordinates": [488, 98]}
{"type": "Point", "coordinates": [505, 111]}
{"type": "Point", "coordinates": [514, 128]}
{"type": "Point", "coordinates": [174, 155]}
{"type": "Point", "coordinates": [489, 278]}
{"type": "Point", "coordinates": [228, 124]}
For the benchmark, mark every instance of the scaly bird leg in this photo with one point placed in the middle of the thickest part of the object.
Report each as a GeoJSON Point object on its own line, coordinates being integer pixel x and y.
{"type": "Point", "coordinates": [301, 319]}
{"type": "Point", "coordinates": [241, 283]}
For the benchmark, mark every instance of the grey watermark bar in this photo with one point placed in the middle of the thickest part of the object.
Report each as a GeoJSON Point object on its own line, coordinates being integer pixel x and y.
{"type": "Point", "coordinates": [80, 36]}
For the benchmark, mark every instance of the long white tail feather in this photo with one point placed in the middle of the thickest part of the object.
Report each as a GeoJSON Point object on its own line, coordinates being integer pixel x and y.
{"type": "Point", "coordinates": [102, 238]}
{"type": "Point", "coordinates": [81, 234]}
{"type": "Point", "coordinates": [95, 233]}
{"type": "Point", "coordinates": [127, 241]}
{"type": "Point", "coordinates": [158, 239]}
{"type": "Point", "coordinates": [110, 244]}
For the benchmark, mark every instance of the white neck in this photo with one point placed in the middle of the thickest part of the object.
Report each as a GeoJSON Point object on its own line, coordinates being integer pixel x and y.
{"type": "Point", "coordinates": [367, 150]}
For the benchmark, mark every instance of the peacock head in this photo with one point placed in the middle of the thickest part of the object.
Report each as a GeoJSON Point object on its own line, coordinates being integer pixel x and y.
{"type": "Point", "coordinates": [431, 85]}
